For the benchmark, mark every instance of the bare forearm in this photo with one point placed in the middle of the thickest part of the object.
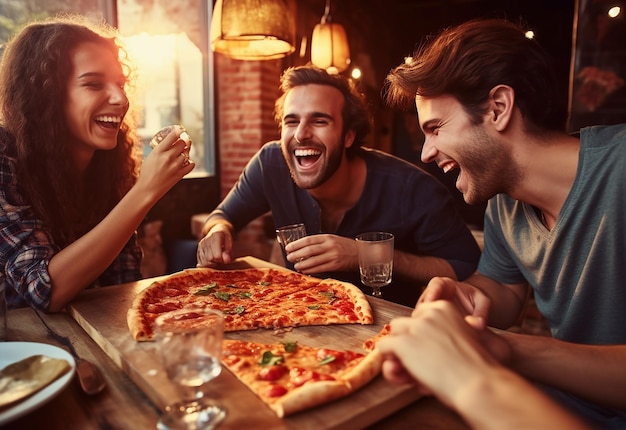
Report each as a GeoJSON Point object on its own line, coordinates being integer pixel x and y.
{"type": "Point", "coordinates": [216, 217]}
{"type": "Point", "coordinates": [77, 265]}
{"type": "Point", "coordinates": [486, 403]}
{"type": "Point", "coordinates": [419, 268]}
{"type": "Point", "coordinates": [507, 301]}
{"type": "Point", "coordinates": [593, 372]}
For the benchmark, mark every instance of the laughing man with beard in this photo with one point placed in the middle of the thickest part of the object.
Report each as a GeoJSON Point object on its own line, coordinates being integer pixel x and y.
{"type": "Point", "coordinates": [320, 175]}
{"type": "Point", "coordinates": [488, 103]}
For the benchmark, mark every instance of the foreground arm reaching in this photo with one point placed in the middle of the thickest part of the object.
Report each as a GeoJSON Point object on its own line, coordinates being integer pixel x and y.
{"type": "Point", "coordinates": [443, 354]}
{"type": "Point", "coordinates": [544, 359]}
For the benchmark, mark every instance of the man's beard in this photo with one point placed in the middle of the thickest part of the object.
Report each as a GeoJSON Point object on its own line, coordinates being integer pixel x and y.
{"type": "Point", "coordinates": [331, 159]}
{"type": "Point", "coordinates": [488, 168]}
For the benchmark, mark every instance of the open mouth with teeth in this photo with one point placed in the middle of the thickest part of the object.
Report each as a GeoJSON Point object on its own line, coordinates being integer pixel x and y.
{"type": "Point", "coordinates": [307, 157]}
{"type": "Point", "coordinates": [107, 121]}
{"type": "Point", "coordinates": [448, 167]}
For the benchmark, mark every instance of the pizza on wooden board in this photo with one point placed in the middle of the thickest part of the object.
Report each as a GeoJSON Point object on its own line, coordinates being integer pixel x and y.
{"type": "Point", "coordinates": [250, 299]}
{"type": "Point", "coordinates": [290, 377]}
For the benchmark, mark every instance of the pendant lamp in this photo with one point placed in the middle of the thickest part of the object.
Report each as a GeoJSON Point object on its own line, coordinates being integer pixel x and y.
{"type": "Point", "coordinates": [329, 44]}
{"type": "Point", "coordinates": [253, 29]}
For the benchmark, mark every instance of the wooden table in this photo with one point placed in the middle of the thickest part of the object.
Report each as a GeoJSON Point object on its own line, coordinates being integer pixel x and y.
{"type": "Point", "coordinates": [122, 405]}
{"type": "Point", "coordinates": [131, 400]}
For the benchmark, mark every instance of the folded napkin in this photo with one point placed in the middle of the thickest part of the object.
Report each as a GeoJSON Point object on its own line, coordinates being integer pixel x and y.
{"type": "Point", "coordinates": [25, 377]}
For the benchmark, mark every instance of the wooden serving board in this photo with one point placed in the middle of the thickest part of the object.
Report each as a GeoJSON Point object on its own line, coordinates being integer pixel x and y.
{"type": "Point", "coordinates": [102, 314]}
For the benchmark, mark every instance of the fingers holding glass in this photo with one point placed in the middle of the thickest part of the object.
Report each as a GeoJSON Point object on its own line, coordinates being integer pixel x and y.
{"type": "Point", "coordinates": [162, 134]}
{"type": "Point", "coordinates": [290, 233]}
{"type": "Point", "coordinates": [165, 131]}
{"type": "Point", "coordinates": [186, 160]}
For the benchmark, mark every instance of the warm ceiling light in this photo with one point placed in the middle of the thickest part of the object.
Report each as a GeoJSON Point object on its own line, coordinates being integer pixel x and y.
{"type": "Point", "coordinates": [329, 45]}
{"type": "Point", "coordinates": [253, 29]}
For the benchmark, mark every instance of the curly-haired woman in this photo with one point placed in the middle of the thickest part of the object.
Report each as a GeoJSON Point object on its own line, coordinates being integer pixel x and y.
{"type": "Point", "coordinates": [71, 195]}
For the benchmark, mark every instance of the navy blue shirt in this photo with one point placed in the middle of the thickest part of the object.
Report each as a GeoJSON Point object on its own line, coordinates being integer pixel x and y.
{"type": "Point", "coordinates": [398, 197]}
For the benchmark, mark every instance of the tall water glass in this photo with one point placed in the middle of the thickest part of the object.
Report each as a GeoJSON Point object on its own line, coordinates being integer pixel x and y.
{"type": "Point", "coordinates": [375, 259]}
{"type": "Point", "coordinates": [190, 346]}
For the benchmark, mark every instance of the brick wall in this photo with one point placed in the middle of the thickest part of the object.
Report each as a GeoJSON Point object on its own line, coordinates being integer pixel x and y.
{"type": "Point", "coordinates": [246, 91]}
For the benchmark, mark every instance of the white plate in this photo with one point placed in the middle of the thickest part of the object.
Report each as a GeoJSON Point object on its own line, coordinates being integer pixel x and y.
{"type": "Point", "coordinates": [10, 352]}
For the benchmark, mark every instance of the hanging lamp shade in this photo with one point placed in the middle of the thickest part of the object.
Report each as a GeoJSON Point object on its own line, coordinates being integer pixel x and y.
{"type": "Point", "coordinates": [253, 29]}
{"type": "Point", "coordinates": [329, 45]}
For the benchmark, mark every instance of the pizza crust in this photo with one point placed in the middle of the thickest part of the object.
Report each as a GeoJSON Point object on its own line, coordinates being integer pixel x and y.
{"type": "Point", "coordinates": [361, 304]}
{"type": "Point", "coordinates": [365, 371]}
{"type": "Point", "coordinates": [308, 396]}
{"type": "Point", "coordinates": [319, 393]}
{"type": "Point", "coordinates": [134, 321]}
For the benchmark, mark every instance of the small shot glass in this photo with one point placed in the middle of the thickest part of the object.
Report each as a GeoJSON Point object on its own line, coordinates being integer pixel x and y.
{"type": "Point", "coordinates": [289, 233]}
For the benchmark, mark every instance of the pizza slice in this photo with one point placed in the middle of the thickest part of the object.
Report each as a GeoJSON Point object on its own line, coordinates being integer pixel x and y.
{"type": "Point", "coordinates": [328, 302]}
{"type": "Point", "coordinates": [290, 377]}
{"type": "Point", "coordinates": [370, 343]}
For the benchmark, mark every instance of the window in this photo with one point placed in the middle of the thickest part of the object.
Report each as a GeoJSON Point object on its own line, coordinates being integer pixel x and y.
{"type": "Point", "coordinates": [168, 41]}
{"type": "Point", "coordinates": [597, 84]}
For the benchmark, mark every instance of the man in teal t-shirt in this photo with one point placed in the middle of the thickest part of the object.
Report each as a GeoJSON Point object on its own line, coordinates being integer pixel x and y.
{"type": "Point", "coordinates": [576, 268]}
{"type": "Point", "coordinates": [487, 102]}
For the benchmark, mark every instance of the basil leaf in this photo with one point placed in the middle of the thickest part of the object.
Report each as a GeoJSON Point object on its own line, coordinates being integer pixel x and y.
{"type": "Point", "coordinates": [206, 290]}
{"type": "Point", "coordinates": [314, 307]}
{"type": "Point", "coordinates": [329, 294]}
{"type": "Point", "coordinates": [238, 310]}
{"type": "Point", "coordinates": [269, 359]}
{"type": "Point", "coordinates": [263, 283]}
{"type": "Point", "coordinates": [202, 292]}
{"type": "Point", "coordinates": [222, 296]}
{"type": "Point", "coordinates": [244, 295]}
{"type": "Point", "coordinates": [327, 359]}
{"type": "Point", "coordinates": [290, 346]}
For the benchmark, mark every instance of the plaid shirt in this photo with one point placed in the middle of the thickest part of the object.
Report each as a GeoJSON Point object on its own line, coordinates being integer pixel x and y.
{"type": "Point", "coordinates": [26, 247]}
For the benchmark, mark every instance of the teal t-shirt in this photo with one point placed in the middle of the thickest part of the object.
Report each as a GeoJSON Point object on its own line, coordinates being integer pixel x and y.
{"type": "Point", "coordinates": [578, 269]}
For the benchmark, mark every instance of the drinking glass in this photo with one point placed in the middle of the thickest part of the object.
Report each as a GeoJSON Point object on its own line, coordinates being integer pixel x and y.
{"type": "Point", "coordinates": [375, 259]}
{"type": "Point", "coordinates": [190, 345]}
{"type": "Point", "coordinates": [288, 234]}
{"type": "Point", "coordinates": [162, 134]}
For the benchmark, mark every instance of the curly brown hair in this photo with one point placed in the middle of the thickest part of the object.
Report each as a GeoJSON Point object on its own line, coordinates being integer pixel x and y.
{"type": "Point", "coordinates": [33, 81]}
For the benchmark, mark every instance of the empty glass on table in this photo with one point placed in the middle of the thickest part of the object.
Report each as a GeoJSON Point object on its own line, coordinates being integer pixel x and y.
{"type": "Point", "coordinates": [190, 345]}
{"type": "Point", "coordinates": [375, 259]}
